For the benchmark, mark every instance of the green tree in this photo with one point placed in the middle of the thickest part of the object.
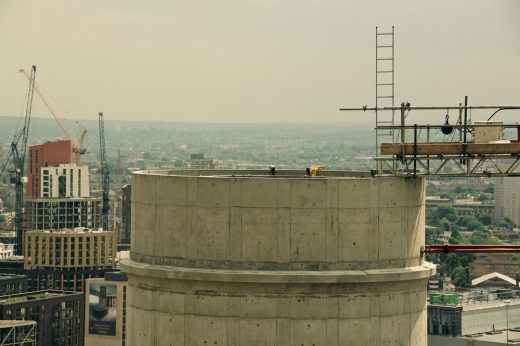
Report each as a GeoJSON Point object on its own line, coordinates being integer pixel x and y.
{"type": "Point", "coordinates": [446, 225]}
{"type": "Point", "coordinates": [478, 237]}
{"type": "Point", "coordinates": [460, 277]}
{"type": "Point", "coordinates": [431, 234]}
{"type": "Point", "coordinates": [493, 240]}
{"type": "Point", "coordinates": [482, 197]}
{"type": "Point", "coordinates": [455, 233]}
{"type": "Point", "coordinates": [443, 211]}
{"type": "Point", "coordinates": [475, 225]}
{"type": "Point", "coordinates": [506, 223]}
{"type": "Point", "coordinates": [460, 189]}
{"type": "Point", "coordinates": [450, 262]}
{"type": "Point", "coordinates": [452, 240]}
{"type": "Point", "coordinates": [485, 219]}
{"type": "Point", "coordinates": [470, 222]}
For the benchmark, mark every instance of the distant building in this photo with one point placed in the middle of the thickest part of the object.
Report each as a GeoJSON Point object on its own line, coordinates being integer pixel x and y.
{"type": "Point", "coordinates": [441, 282]}
{"type": "Point", "coordinates": [6, 250]}
{"type": "Point", "coordinates": [444, 319]}
{"type": "Point", "coordinates": [64, 259]}
{"type": "Point", "coordinates": [472, 207]}
{"type": "Point", "coordinates": [47, 154]}
{"type": "Point", "coordinates": [461, 206]}
{"type": "Point", "coordinates": [65, 180]}
{"type": "Point", "coordinates": [507, 198]}
{"type": "Point", "coordinates": [7, 237]}
{"type": "Point", "coordinates": [18, 333]}
{"type": "Point", "coordinates": [488, 263]}
{"type": "Point", "coordinates": [59, 213]}
{"type": "Point", "coordinates": [105, 310]}
{"type": "Point", "coordinates": [126, 215]}
{"type": "Point", "coordinates": [12, 284]}
{"type": "Point", "coordinates": [198, 161]}
{"type": "Point", "coordinates": [59, 315]}
{"type": "Point", "coordinates": [484, 320]}
{"type": "Point", "coordinates": [9, 217]}
{"type": "Point", "coordinates": [14, 265]}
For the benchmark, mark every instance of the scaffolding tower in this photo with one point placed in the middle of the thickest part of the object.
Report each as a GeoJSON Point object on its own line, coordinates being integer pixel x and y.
{"type": "Point", "coordinates": [17, 333]}
{"type": "Point", "coordinates": [385, 87]}
{"type": "Point", "coordinates": [431, 149]}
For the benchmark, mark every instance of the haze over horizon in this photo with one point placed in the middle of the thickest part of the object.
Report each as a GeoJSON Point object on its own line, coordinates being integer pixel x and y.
{"type": "Point", "coordinates": [253, 61]}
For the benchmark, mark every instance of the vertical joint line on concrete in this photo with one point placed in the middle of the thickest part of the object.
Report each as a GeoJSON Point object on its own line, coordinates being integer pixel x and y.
{"type": "Point", "coordinates": [278, 221]}
{"type": "Point", "coordinates": [230, 223]}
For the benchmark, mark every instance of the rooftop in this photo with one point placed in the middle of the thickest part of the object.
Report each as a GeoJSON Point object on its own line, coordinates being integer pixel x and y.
{"type": "Point", "coordinates": [476, 305]}
{"type": "Point", "coordinates": [62, 199]}
{"type": "Point", "coordinates": [77, 230]}
{"type": "Point", "coordinates": [500, 337]}
{"type": "Point", "coordinates": [268, 172]}
{"type": "Point", "coordinates": [39, 295]}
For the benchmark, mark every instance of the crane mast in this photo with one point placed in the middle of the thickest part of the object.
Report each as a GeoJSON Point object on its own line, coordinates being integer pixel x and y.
{"type": "Point", "coordinates": [105, 174]}
{"type": "Point", "coordinates": [18, 151]}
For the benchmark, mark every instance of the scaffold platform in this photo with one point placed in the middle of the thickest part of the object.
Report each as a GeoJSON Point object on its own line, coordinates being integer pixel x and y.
{"type": "Point", "coordinates": [464, 148]}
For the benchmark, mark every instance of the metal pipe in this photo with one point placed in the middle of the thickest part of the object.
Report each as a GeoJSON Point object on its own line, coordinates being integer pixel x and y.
{"type": "Point", "coordinates": [465, 118]}
{"type": "Point", "coordinates": [402, 124]}
{"type": "Point", "coordinates": [422, 108]}
{"type": "Point", "coordinates": [410, 127]}
{"type": "Point", "coordinates": [415, 151]}
{"type": "Point", "coordinates": [448, 248]}
{"type": "Point", "coordinates": [459, 122]}
{"type": "Point", "coordinates": [427, 141]}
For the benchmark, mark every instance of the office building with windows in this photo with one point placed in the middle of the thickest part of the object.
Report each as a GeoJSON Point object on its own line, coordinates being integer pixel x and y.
{"type": "Point", "coordinates": [64, 259]}
{"type": "Point", "coordinates": [59, 315]}
{"type": "Point", "coordinates": [48, 154]}
{"type": "Point", "coordinates": [65, 180]}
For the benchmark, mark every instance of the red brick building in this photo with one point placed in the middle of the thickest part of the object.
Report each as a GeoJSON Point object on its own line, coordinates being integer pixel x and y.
{"type": "Point", "coordinates": [41, 155]}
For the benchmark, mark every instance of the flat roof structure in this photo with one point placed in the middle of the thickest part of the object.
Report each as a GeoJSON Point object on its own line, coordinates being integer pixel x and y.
{"type": "Point", "coordinates": [59, 315]}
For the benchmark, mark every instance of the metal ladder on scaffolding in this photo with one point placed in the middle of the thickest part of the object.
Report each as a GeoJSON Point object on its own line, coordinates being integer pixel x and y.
{"type": "Point", "coordinates": [385, 86]}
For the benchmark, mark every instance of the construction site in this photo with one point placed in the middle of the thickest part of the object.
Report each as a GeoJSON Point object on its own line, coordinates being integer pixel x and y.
{"type": "Point", "coordinates": [62, 236]}
{"type": "Point", "coordinates": [272, 256]}
{"type": "Point", "coordinates": [314, 257]}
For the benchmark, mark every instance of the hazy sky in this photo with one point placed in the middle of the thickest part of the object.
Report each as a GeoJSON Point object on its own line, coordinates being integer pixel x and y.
{"type": "Point", "coordinates": [253, 61]}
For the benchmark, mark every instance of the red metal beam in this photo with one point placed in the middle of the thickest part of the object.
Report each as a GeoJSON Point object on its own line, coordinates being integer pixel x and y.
{"type": "Point", "coordinates": [449, 248]}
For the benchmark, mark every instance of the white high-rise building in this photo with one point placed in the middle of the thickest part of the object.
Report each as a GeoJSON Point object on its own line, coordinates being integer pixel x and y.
{"type": "Point", "coordinates": [66, 180]}
{"type": "Point", "coordinates": [507, 198]}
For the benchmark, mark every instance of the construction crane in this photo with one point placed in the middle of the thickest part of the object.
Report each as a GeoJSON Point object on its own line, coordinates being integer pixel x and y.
{"type": "Point", "coordinates": [77, 146]}
{"type": "Point", "coordinates": [18, 150]}
{"type": "Point", "coordinates": [105, 174]}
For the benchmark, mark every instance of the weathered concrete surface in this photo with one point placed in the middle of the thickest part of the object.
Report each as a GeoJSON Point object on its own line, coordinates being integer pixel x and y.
{"type": "Point", "coordinates": [283, 260]}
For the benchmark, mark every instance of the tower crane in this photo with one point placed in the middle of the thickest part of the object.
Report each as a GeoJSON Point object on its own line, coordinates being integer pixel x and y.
{"type": "Point", "coordinates": [18, 151]}
{"type": "Point", "coordinates": [105, 174]}
{"type": "Point", "coordinates": [77, 146]}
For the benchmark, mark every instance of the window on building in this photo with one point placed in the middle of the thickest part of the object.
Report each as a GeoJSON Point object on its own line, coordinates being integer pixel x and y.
{"type": "Point", "coordinates": [62, 186]}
